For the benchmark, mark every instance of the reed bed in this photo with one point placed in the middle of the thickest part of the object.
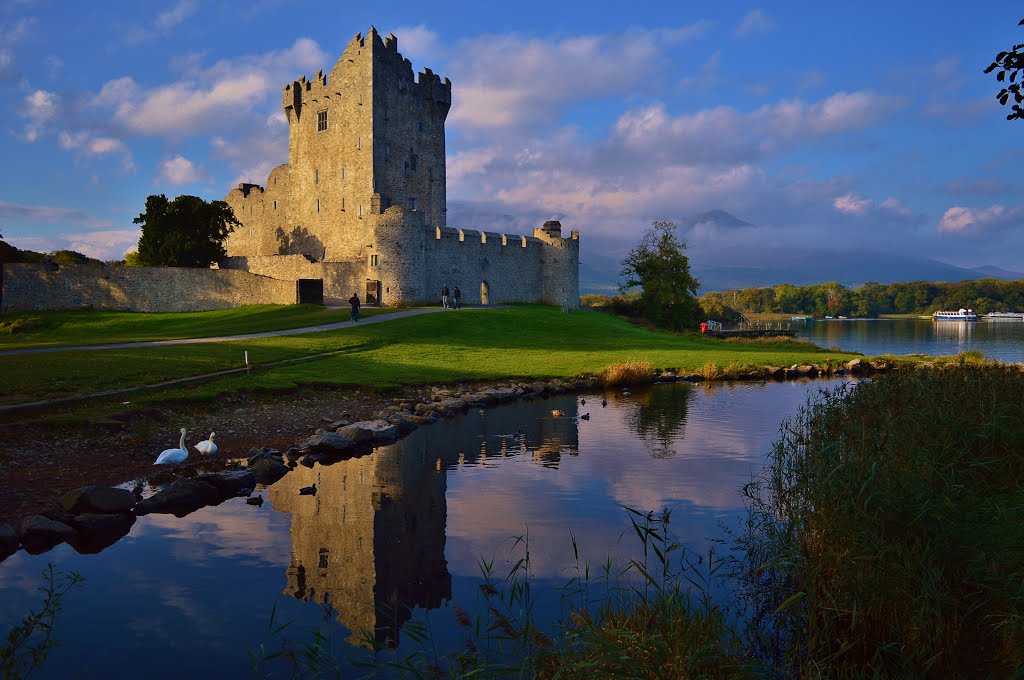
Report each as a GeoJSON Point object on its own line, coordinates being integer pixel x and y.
{"type": "Point", "coordinates": [633, 372]}
{"type": "Point", "coordinates": [886, 535]}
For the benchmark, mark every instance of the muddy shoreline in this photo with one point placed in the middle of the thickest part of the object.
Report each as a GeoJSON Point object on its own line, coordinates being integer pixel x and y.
{"type": "Point", "coordinates": [40, 462]}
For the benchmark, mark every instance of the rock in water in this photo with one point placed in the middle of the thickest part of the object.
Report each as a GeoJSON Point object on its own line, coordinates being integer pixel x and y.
{"type": "Point", "coordinates": [39, 534]}
{"type": "Point", "coordinates": [180, 498]}
{"type": "Point", "coordinates": [230, 483]}
{"type": "Point", "coordinates": [8, 542]}
{"type": "Point", "coordinates": [98, 499]}
{"type": "Point", "coordinates": [268, 470]}
{"type": "Point", "coordinates": [255, 500]}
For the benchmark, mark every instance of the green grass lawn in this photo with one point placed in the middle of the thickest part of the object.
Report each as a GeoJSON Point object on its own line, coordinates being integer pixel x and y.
{"type": "Point", "coordinates": [522, 342]}
{"type": "Point", "coordinates": [88, 327]}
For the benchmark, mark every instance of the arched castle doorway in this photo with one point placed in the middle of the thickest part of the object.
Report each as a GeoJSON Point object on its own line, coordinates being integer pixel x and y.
{"type": "Point", "coordinates": [485, 293]}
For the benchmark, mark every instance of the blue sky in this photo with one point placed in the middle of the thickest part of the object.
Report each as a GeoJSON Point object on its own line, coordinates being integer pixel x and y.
{"type": "Point", "coordinates": [834, 126]}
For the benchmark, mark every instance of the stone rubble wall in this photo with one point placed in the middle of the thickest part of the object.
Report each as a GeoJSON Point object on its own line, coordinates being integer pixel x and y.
{"type": "Point", "coordinates": [138, 289]}
{"type": "Point", "coordinates": [341, 279]}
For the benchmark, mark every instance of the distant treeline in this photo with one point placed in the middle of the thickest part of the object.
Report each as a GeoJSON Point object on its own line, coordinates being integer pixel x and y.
{"type": "Point", "coordinates": [871, 299]}
{"type": "Point", "coordinates": [9, 253]}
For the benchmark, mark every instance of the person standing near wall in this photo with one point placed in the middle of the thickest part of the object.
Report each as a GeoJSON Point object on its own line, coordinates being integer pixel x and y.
{"type": "Point", "coordinates": [354, 301]}
{"type": "Point", "coordinates": [457, 296]}
{"type": "Point", "coordinates": [444, 296]}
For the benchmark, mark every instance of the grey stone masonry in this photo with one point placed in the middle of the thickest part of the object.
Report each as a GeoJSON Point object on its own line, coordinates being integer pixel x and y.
{"type": "Point", "coordinates": [362, 199]}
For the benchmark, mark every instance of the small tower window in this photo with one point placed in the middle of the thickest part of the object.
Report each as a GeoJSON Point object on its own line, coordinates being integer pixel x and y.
{"type": "Point", "coordinates": [343, 172]}
{"type": "Point", "coordinates": [316, 175]}
{"type": "Point", "coordinates": [430, 172]}
{"type": "Point", "coordinates": [359, 142]}
{"type": "Point", "coordinates": [385, 113]}
{"type": "Point", "coordinates": [374, 260]}
{"type": "Point", "coordinates": [387, 151]}
{"type": "Point", "coordinates": [343, 203]}
{"type": "Point", "coordinates": [321, 121]}
{"type": "Point", "coordinates": [360, 211]}
{"type": "Point", "coordinates": [318, 205]}
{"type": "Point", "coordinates": [412, 204]}
{"type": "Point", "coordinates": [275, 205]}
{"type": "Point", "coordinates": [324, 558]}
{"type": "Point", "coordinates": [419, 126]}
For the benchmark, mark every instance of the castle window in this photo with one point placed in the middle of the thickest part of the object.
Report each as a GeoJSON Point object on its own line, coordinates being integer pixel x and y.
{"type": "Point", "coordinates": [316, 175]}
{"type": "Point", "coordinates": [374, 260]}
{"type": "Point", "coordinates": [318, 205]}
{"type": "Point", "coordinates": [343, 172]}
{"type": "Point", "coordinates": [359, 142]}
{"type": "Point", "coordinates": [387, 151]}
{"type": "Point", "coordinates": [430, 172]}
{"type": "Point", "coordinates": [321, 121]}
{"type": "Point", "coordinates": [385, 113]}
{"type": "Point", "coordinates": [419, 126]}
{"type": "Point", "coordinates": [412, 204]}
{"type": "Point", "coordinates": [360, 211]}
{"type": "Point", "coordinates": [275, 205]}
{"type": "Point", "coordinates": [405, 169]}
{"type": "Point", "coordinates": [412, 161]}
{"type": "Point", "coordinates": [343, 203]}
{"type": "Point", "coordinates": [324, 557]}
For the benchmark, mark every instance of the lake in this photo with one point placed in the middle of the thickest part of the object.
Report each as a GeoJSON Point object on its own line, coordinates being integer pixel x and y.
{"type": "Point", "coordinates": [410, 524]}
{"type": "Point", "coordinates": [999, 340]}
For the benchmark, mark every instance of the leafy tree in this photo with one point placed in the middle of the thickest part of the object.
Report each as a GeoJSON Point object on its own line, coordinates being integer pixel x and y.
{"type": "Point", "coordinates": [1008, 66]}
{"type": "Point", "coordinates": [659, 267]}
{"type": "Point", "coordinates": [131, 259]}
{"type": "Point", "coordinates": [185, 232]}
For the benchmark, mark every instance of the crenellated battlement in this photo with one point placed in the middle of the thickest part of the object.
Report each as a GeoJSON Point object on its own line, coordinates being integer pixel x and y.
{"type": "Point", "coordinates": [365, 187]}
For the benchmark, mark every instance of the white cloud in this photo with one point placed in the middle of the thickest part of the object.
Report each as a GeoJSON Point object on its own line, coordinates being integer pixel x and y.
{"type": "Point", "coordinates": [96, 145]}
{"type": "Point", "coordinates": [852, 204]}
{"type": "Point", "coordinates": [180, 170]}
{"type": "Point", "coordinates": [40, 108]}
{"type": "Point", "coordinates": [418, 43]}
{"type": "Point", "coordinates": [513, 81]}
{"type": "Point", "coordinates": [104, 244]}
{"type": "Point", "coordinates": [174, 16]}
{"type": "Point", "coordinates": [962, 220]}
{"type": "Point", "coordinates": [216, 98]}
{"type": "Point", "coordinates": [755, 21]}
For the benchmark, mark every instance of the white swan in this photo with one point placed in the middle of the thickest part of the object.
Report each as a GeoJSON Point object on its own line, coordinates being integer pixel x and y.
{"type": "Point", "coordinates": [207, 447]}
{"type": "Point", "coordinates": [171, 456]}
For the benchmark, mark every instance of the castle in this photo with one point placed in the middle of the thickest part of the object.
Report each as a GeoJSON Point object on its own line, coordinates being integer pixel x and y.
{"type": "Point", "coordinates": [361, 203]}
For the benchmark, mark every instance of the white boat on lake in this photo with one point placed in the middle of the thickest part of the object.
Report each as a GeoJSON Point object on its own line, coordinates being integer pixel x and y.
{"type": "Point", "coordinates": [959, 315]}
{"type": "Point", "coordinates": [1004, 316]}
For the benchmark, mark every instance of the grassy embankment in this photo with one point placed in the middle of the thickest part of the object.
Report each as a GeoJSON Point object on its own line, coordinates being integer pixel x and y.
{"type": "Point", "coordinates": [88, 327]}
{"type": "Point", "coordinates": [521, 342]}
{"type": "Point", "coordinates": [885, 540]}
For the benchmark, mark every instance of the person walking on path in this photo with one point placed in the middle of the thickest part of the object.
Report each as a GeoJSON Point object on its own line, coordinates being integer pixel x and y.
{"type": "Point", "coordinates": [354, 301]}
{"type": "Point", "coordinates": [444, 296]}
{"type": "Point", "coordinates": [457, 296]}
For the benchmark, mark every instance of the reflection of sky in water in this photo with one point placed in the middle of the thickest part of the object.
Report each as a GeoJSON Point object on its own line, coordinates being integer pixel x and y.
{"type": "Point", "coordinates": [412, 521]}
{"type": "Point", "coordinates": [1000, 340]}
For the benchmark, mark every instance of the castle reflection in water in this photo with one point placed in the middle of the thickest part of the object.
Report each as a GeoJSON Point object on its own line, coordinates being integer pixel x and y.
{"type": "Point", "coordinates": [371, 541]}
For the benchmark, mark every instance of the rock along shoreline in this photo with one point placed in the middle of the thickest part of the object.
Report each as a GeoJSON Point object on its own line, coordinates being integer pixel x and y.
{"type": "Point", "coordinates": [94, 517]}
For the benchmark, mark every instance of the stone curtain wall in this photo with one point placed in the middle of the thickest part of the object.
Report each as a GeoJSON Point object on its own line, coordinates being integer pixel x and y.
{"type": "Point", "coordinates": [467, 258]}
{"type": "Point", "coordinates": [138, 289]}
{"type": "Point", "coordinates": [341, 279]}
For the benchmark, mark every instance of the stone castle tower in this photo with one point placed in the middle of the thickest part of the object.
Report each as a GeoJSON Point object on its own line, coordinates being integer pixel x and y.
{"type": "Point", "coordinates": [361, 202]}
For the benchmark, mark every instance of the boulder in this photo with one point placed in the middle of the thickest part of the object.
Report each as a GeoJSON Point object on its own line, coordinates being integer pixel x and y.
{"type": "Point", "coordinates": [255, 500]}
{"type": "Point", "coordinates": [422, 420]}
{"type": "Point", "coordinates": [39, 534]}
{"type": "Point", "coordinates": [229, 483]}
{"type": "Point", "coordinates": [180, 498]}
{"type": "Point", "coordinates": [309, 460]}
{"type": "Point", "coordinates": [381, 431]}
{"type": "Point", "coordinates": [98, 499]}
{"type": "Point", "coordinates": [450, 407]}
{"type": "Point", "coordinates": [539, 387]}
{"type": "Point", "coordinates": [805, 371]}
{"type": "Point", "coordinates": [692, 377]}
{"type": "Point", "coordinates": [97, 532]}
{"type": "Point", "coordinates": [856, 366]}
{"type": "Point", "coordinates": [359, 434]}
{"type": "Point", "coordinates": [776, 372]}
{"type": "Point", "coordinates": [8, 542]}
{"type": "Point", "coordinates": [257, 454]}
{"type": "Point", "coordinates": [330, 442]}
{"type": "Point", "coordinates": [403, 422]}
{"type": "Point", "coordinates": [268, 470]}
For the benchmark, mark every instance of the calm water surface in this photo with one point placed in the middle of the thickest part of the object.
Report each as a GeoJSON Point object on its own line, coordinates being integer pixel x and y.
{"type": "Point", "coordinates": [1000, 340]}
{"type": "Point", "coordinates": [409, 523]}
